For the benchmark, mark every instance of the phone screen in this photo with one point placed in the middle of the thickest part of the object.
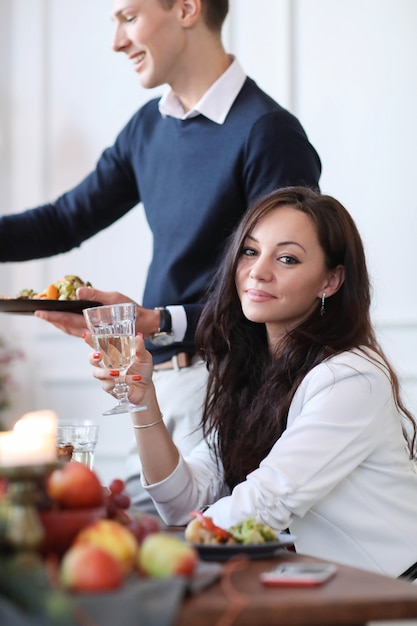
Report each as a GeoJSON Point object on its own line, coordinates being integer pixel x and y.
{"type": "Point", "coordinates": [298, 574]}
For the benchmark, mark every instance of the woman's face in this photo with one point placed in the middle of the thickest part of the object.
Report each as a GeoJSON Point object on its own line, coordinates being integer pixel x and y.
{"type": "Point", "coordinates": [281, 273]}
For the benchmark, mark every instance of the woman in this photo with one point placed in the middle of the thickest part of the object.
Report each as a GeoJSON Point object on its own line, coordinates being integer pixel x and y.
{"type": "Point", "coordinates": [304, 425]}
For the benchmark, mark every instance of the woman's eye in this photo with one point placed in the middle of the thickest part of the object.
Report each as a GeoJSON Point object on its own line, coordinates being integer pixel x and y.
{"type": "Point", "coordinates": [288, 260]}
{"type": "Point", "coordinates": [130, 19]}
{"type": "Point", "coordinates": [248, 252]}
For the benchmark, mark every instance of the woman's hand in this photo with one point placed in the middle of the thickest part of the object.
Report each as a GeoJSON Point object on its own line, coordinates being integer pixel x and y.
{"type": "Point", "coordinates": [158, 454]}
{"type": "Point", "coordinates": [139, 375]}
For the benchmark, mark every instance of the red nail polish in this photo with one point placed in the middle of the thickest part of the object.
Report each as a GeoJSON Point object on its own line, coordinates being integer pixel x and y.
{"type": "Point", "coordinates": [84, 335]}
{"type": "Point", "coordinates": [114, 372]}
{"type": "Point", "coordinates": [96, 355]}
{"type": "Point", "coordinates": [136, 377]}
{"type": "Point", "coordinates": [139, 334]}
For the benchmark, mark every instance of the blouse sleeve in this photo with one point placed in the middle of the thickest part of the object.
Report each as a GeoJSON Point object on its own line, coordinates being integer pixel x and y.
{"type": "Point", "coordinates": [196, 482]}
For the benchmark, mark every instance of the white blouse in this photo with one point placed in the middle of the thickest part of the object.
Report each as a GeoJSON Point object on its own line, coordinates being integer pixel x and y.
{"type": "Point", "coordinates": [339, 477]}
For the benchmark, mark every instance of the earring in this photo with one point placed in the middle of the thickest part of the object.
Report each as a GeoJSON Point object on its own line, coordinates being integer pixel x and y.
{"type": "Point", "coordinates": [322, 308]}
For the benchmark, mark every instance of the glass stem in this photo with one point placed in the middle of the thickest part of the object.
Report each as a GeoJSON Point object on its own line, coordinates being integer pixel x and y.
{"type": "Point", "coordinates": [120, 388]}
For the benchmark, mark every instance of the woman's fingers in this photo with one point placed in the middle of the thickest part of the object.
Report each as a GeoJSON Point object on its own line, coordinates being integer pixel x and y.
{"type": "Point", "coordinates": [87, 338]}
{"type": "Point", "coordinates": [139, 374]}
{"type": "Point", "coordinates": [143, 356]}
{"type": "Point", "coordinates": [95, 359]}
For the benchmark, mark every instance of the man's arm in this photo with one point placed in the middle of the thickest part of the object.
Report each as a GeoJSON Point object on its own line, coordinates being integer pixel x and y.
{"type": "Point", "coordinates": [102, 198]}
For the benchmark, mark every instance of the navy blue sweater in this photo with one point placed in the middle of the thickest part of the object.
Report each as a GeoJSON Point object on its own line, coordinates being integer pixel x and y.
{"type": "Point", "coordinates": [195, 179]}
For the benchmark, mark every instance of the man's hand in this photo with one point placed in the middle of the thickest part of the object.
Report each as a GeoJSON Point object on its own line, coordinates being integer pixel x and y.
{"type": "Point", "coordinates": [147, 320]}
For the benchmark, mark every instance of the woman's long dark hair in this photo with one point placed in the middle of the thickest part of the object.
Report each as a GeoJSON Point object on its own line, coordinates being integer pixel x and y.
{"type": "Point", "coordinates": [250, 389]}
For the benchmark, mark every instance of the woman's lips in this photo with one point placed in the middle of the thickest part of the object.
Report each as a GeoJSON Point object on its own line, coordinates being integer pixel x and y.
{"type": "Point", "coordinates": [255, 295]}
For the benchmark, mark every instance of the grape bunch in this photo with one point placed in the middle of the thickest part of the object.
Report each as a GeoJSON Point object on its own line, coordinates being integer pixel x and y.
{"type": "Point", "coordinates": [118, 503]}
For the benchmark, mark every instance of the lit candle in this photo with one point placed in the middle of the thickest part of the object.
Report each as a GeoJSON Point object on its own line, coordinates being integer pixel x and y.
{"type": "Point", "coordinates": [31, 442]}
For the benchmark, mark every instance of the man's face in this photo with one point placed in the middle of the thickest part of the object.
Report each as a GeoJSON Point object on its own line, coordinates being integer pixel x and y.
{"type": "Point", "coordinates": [151, 37]}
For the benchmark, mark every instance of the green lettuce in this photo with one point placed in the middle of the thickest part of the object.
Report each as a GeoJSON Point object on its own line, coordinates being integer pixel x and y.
{"type": "Point", "coordinates": [252, 531]}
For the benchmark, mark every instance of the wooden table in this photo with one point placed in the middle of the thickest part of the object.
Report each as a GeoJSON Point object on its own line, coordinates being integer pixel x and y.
{"type": "Point", "coordinates": [352, 598]}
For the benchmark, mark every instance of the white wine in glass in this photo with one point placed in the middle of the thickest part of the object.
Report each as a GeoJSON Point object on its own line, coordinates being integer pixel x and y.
{"type": "Point", "coordinates": [117, 351]}
{"type": "Point", "coordinates": [113, 331]}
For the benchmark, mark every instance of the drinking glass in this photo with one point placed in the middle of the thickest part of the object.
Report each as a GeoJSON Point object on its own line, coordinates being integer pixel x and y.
{"type": "Point", "coordinates": [112, 329]}
{"type": "Point", "coordinates": [77, 442]}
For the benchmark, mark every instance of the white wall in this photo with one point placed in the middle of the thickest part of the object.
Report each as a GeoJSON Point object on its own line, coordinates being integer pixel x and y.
{"type": "Point", "coordinates": [345, 67]}
{"type": "Point", "coordinates": [356, 90]}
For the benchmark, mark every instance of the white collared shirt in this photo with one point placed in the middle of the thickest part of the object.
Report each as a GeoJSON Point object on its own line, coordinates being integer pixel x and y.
{"type": "Point", "coordinates": [215, 104]}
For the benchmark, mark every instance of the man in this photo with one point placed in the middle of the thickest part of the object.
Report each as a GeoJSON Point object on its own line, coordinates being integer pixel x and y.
{"type": "Point", "coordinates": [196, 159]}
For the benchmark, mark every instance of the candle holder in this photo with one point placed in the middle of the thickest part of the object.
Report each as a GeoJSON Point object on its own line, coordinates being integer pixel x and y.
{"type": "Point", "coordinates": [20, 526]}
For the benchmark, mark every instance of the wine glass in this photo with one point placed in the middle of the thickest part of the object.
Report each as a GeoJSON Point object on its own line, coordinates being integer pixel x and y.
{"type": "Point", "coordinates": [112, 329]}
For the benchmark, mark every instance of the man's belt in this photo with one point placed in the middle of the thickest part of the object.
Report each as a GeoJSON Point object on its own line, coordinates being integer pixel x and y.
{"type": "Point", "coordinates": [177, 362]}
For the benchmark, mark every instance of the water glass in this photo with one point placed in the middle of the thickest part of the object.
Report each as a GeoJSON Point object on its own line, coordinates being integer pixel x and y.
{"type": "Point", "coordinates": [77, 442]}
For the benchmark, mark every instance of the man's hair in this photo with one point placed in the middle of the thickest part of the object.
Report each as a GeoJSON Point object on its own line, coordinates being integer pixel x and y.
{"type": "Point", "coordinates": [214, 11]}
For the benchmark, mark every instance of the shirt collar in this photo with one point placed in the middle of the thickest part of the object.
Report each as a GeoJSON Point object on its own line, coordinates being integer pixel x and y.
{"type": "Point", "coordinates": [215, 103]}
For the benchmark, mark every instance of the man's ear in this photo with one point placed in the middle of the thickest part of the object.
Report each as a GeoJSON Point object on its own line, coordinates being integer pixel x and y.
{"type": "Point", "coordinates": [335, 280]}
{"type": "Point", "coordinates": [190, 12]}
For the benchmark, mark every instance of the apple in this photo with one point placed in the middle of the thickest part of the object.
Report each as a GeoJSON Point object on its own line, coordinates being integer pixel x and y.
{"type": "Point", "coordinates": [75, 486]}
{"type": "Point", "coordinates": [161, 555]}
{"type": "Point", "coordinates": [115, 538]}
{"type": "Point", "coordinates": [89, 568]}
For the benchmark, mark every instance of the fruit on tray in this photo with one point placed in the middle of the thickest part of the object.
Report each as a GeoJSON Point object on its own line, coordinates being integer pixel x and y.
{"type": "Point", "coordinates": [73, 498]}
{"type": "Point", "coordinates": [89, 568]}
{"type": "Point", "coordinates": [162, 555]}
{"type": "Point", "coordinates": [118, 503]}
{"type": "Point", "coordinates": [75, 486]}
{"type": "Point", "coordinates": [143, 525]}
{"type": "Point", "coordinates": [114, 538]}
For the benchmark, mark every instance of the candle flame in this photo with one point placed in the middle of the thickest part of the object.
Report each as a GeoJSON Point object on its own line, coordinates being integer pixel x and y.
{"type": "Point", "coordinates": [32, 440]}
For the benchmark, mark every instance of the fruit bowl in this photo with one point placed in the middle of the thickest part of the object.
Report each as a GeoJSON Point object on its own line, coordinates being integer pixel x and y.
{"type": "Point", "coordinates": [61, 526]}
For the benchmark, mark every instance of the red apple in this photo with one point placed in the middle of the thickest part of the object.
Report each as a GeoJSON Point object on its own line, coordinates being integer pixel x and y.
{"type": "Point", "coordinates": [75, 486]}
{"type": "Point", "coordinates": [161, 555]}
{"type": "Point", "coordinates": [89, 568]}
{"type": "Point", "coordinates": [113, 537]}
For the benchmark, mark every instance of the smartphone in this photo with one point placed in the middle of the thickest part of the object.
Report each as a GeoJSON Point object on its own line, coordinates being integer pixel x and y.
{"type": "Point", "coordinates": [298, 574]}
